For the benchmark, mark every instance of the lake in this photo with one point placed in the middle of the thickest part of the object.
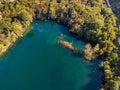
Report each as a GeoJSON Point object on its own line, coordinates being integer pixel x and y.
{"type": "Point", "coordinates": [38, 62]}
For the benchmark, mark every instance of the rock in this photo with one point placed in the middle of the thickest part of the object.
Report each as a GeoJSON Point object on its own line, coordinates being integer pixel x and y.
{"type": "Point", "coordinates": [67, 45]}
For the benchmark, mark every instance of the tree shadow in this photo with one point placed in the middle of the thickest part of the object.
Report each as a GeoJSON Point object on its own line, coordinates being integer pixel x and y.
{"type": "Point", "coordinates": [95, 74]}
{"type": "Point", "coordinates": [95, 77]}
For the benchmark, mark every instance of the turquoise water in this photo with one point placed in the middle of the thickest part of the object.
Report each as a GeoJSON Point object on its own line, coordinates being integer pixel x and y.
{"type": "Point", "coordinates": [37, 62]}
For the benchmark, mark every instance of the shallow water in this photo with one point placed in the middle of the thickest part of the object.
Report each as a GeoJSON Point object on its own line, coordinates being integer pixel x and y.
{"type": "Point", "coordinates": [37, 62]}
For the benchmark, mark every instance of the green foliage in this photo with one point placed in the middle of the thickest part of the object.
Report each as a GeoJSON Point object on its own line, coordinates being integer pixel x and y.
{"type": "Point", "coordinates": [24, 16]}
{"type": "Point", "coordinates": [88, 52]}
{"type": "Point", "coordinates": [113, 85]}
{"type": "Point", "coordinates": [89, 20]}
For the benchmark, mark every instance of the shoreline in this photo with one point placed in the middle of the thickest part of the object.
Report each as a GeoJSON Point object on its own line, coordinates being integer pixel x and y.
{"type": "Point", "coordinates": [81, 27]}
{"type": "Point", "coordinates": [6, 48]}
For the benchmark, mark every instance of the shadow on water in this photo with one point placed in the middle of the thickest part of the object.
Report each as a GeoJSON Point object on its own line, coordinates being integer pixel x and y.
{"type": "Point", "coordinates": [56, 79]}
{"type": "Point", "coordinates": [95, 77]}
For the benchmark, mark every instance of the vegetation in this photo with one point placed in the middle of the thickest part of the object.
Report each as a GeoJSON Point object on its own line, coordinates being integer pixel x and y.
{"type": "Point", "coordinates": [89, 52]}
{"type": "Point", "coordinates": [89, 20]}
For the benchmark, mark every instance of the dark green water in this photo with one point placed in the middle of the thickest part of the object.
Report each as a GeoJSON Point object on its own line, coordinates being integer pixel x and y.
{"type": "Point", "coordinates": [37, 62]}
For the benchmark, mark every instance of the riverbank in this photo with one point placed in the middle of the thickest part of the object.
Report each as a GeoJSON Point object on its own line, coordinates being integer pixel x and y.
{"type": "Point", "coordinates": [5, 48]}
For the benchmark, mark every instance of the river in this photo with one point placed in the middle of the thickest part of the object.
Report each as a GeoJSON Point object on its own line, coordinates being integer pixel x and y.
{"type": "Point", "coordinates": [37, 62]}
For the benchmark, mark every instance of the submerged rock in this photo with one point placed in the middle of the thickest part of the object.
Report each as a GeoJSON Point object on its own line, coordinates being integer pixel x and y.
{"type": "Point", "coordinates": [67, 45]}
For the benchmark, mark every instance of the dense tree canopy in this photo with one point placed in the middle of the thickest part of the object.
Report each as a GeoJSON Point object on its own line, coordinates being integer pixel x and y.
{"type": "Point", "coordinates": [89, 20]}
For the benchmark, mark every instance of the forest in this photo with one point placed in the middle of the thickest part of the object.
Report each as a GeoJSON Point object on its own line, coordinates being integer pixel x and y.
{"type": "Point", "coordinates": [88, 20]}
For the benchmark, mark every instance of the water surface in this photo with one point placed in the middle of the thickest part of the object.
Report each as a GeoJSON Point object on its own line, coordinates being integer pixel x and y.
{"type": "Point", "coordinates": [37, 62]}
